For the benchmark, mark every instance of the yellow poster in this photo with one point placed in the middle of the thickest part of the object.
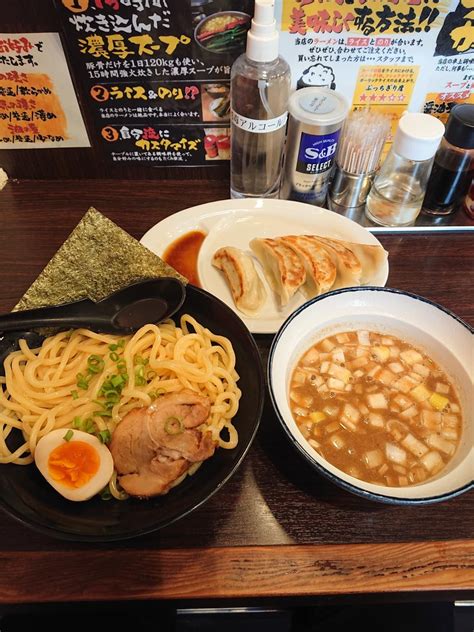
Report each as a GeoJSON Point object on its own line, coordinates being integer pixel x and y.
{"type": "Point", "coordinates": [385, 89]}
{"type": "Point", "coordinates": [391, 55]}
{"type": "Point", "coordinates": [439, 104]}
{"type": "Point", "coordinates": [387, 17]}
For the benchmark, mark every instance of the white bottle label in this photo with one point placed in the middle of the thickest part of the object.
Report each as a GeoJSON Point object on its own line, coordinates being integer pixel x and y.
{"type": "Point", "coordinates": [262, 126]}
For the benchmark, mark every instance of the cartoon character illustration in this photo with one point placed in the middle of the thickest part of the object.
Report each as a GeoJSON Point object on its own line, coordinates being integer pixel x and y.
{"type": "Point", "coordinates": [456, 36]}
{"type": "Point", "coordinates": [463, 37]}
{"type": "Point", "coordinates": [317, 75]}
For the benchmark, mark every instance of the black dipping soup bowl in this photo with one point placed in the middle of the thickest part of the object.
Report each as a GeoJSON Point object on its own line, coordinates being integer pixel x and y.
{"type": "Point", "coordinates": [26, 495]}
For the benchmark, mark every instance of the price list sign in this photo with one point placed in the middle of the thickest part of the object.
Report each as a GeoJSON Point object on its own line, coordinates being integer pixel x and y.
{"type": "Point", "coordinates": [155, 75]}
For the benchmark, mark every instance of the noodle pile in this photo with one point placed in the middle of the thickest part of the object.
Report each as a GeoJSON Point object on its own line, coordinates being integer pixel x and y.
{"type": "Point", "coordinates": [81, 379]}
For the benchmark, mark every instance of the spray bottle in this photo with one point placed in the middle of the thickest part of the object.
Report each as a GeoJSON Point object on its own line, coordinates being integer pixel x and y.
{"type": "Point", "coordinates": [260, 88]}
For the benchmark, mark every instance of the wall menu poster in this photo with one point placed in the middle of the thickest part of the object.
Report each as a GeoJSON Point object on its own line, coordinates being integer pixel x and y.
{"type": "Point", "coordinates": [389, 55]}
{"type": "Point", "coordinates": [38, 105]}
{"type": "Point", "coordinates": [155, 75]}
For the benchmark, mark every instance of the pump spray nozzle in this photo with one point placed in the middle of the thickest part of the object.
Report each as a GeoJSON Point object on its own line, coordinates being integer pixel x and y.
{"type": "Point", "coordinates": [262, 38]}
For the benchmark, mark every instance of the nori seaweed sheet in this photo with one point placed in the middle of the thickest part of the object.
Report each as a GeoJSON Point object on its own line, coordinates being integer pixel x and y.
{"type": "Point", "coordinates": [97, 259]}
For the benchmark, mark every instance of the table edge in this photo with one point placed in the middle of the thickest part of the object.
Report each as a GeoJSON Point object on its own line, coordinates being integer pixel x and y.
{"type": "Point", "coordinates": [236, 572]}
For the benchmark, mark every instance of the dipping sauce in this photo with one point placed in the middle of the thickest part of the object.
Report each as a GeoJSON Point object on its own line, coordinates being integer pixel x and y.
{"type": "Point", "coordinates": [376, 407]}
{"type": "Point", "coordinates": [182, 255]}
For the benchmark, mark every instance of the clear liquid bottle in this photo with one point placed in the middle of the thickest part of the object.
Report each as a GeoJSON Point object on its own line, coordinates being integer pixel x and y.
{"type": "Point", "coordinates": [397, 193]}
{"type": "Point", "coordinates": [260, 88]}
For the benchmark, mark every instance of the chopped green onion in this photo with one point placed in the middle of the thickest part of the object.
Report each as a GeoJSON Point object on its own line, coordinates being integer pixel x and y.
{"type": "Point", "coordinates": [105, 493]}
{"type": "Point", "coordinates": [82, 381]}
{"type": "Point", "coordinates": [95, 364]}
{"type": "Point", "coordinates": [90, 425]}
{"type": "Point", "coordinates": [104, 436]}
{"type": "Point", "coordinates": [113, 347]}
{"type": "Point", "coordinates": [140, 375]}
{"type": "Point", "coordinates": [102, 413]}
{"type": "Point", "coordinates": [141, 361]}
{"type": "Point", "coordinates": [117, 380]}
{"type": "Point", "coordinates": [69, 435]}
{"type": "Point", "coordinates": [121, 343]}
{"type": "Point", "coordinates": [155, 394]}
{"type": "Point", "coordinates": [158, 393]}
{"type": "Point", "coordinates": [174, 426]}
{"type": "Point", "coordinates": [77, 423]}
{"type": "Point", "coordinates": [74, 394]}
{"type": "Point", "coordinates": [114, 356]}
{"type": "Point", "coordinates": [150, 375]}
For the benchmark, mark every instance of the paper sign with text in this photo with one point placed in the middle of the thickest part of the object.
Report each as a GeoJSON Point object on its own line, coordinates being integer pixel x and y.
{"type": "Point", "coordinates": [392, 55]}
{"type": "Point", "coordinates": [154, 75]}
{"type": "Point", "coordinates": [38, 105]}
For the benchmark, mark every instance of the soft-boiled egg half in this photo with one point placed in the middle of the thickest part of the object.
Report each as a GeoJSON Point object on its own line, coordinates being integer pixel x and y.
{"type": "Point", "coordinates": [75, 463]}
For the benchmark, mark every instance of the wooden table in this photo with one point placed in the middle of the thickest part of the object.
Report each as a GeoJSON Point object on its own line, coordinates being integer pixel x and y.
{"type": "Point", "coordinates": [276, 529]}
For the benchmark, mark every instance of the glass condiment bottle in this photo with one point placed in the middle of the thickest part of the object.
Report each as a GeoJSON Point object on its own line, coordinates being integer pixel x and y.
{"type": "Point", "coordinates": [453, 164]}
{"type": "Point", "coordinates": [399, 187]}
{"type": "Point", "coordinates": [260, 87]}
{"type": "Point", "coordinates": [468, 204]}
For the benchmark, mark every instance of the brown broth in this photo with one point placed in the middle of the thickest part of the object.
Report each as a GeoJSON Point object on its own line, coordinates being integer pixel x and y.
{"type": "Point", "coordinates": [376, 407]}
{"type": "Point", "coordinates": [182, 254]}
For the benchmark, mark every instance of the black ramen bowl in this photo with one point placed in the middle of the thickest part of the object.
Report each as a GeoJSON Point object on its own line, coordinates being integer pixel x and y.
{"type": "Point", "coordinates": [25, 494]}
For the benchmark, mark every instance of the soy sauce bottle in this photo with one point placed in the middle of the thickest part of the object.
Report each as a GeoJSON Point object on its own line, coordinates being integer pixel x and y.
{"type": "Point", "coordinates": [453, 166]}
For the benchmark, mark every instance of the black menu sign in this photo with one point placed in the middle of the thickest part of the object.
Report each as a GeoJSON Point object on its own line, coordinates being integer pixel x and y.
{"type": "Point", "coordinates": [155, 75]}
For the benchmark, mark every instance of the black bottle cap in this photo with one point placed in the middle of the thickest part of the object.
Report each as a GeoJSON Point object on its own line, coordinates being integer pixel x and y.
{"type": "Point", "coordinates": [460, 126]}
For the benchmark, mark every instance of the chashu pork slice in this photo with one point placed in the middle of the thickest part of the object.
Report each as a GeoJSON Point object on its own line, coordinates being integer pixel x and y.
{"type": "Point", "coordinates": [246, 287]}
{"type": "Point", "coordinates": [320, 267]}
{"type": "Point", "coordinates": [153, 446]}
{"type": "Point", "coordinates": [283, 268]}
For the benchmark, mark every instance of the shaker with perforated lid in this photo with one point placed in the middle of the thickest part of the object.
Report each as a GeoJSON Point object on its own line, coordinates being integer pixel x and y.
{"type": "Point", "coordinates": [315, 121]}
{"type": "Point", "coordinates": [453, 166]}
{"type": "Point", "coordinates": [398, 190]}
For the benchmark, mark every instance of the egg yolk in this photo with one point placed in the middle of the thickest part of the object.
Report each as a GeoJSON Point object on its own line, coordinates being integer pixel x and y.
{"type": "Point", "coordinates": [73, 463]}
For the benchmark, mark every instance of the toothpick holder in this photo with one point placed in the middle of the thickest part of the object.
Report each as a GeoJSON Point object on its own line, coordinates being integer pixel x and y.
{"type": "Point", "coordinates": [350, 190]}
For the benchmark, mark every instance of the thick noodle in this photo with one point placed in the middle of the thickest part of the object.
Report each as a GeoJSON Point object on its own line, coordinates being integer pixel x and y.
{"type": "Point", "coordinates": [41, 390]}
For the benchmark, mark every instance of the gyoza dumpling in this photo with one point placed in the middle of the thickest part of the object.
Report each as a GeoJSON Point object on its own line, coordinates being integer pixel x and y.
{"type": "Point", "coordinates": [372, 257]}
{"type": "Point", "coordinates": [359, 263]}
{"type": "Point", "coordinates": [349, 268]}
{"type": "Point", "coordinates": [283, 268]}
{"type": "Point", "coordinates": [247, 289]}
{"type": "Point", "coordinates": [320, 269]}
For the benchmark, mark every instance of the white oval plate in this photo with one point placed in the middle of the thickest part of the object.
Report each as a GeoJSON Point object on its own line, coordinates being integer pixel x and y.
{"type": "Point", "coordinates": [236, 223]}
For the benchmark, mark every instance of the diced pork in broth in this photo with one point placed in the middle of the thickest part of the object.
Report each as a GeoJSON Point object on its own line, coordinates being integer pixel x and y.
{"type": "Point", "coordinates": [376, 407]}
{"type": "Point", "coordinates": [153, 446]}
